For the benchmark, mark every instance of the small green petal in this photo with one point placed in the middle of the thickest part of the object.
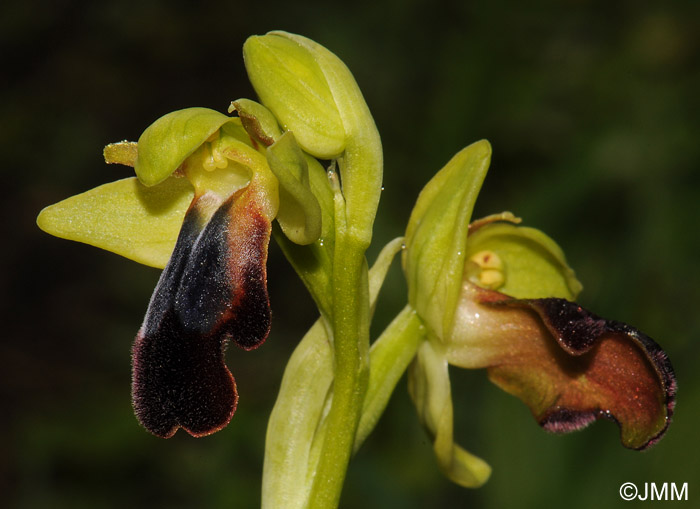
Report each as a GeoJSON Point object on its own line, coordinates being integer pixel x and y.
{"type": "Point", "coordinates": [532, 265]}
{"type": "Point", "coordinates": [168, 141]}
{"type": "Point", "coordinates": [258, 121]}
{"type": "Point", "coordinates": [261, 177]}
{"type": "Point", "coordinates": [125, 217]}
{"type": "Point", "coordinates": [299, 213]}
{"type": "Point", "coordinates": [437, 234]}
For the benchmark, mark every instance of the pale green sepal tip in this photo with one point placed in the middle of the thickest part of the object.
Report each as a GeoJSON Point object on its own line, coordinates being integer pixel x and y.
{"type": "Point", "coordinates": [466, 469]}
{"type": "Point", "coordinates": [299, 213]}
{"type": "Point", "coordinates": [290, 83]}
{"type": "Point", "coordinates": [437, 234]}
{"type": "Point", "coordinates": [125, 217]}
{"type": "Point", "coordinates": [168, 141]}
{"type": "Point", "coordinates": [533, 265]}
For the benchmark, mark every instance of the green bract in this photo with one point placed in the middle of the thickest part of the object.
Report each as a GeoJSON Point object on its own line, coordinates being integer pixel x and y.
{"type": "Point", "coordinates": [299, 422]}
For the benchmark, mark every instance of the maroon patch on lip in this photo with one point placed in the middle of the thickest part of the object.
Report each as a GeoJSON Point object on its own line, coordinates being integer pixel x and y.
{"type": "Point", "coordinates": [248, 319]}
{"type": "Point", "coordinates": [564, 420]}
{"type": "Point", "coordinates": [213, 289]}
{"type": "Point", "coordinates": [601, 369]}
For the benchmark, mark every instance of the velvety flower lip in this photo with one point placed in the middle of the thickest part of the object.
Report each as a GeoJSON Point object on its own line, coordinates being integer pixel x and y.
{"type": "Point", "coordinates": [578, 330]}
{"type": "Point", "coordinates": [568, 365]}
{"type": "Point", "coordinates": [213, 290]}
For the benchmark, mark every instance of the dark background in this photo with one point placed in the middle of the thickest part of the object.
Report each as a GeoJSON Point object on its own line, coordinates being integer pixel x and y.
{"type": "Point", "coordinates": [593, 111]}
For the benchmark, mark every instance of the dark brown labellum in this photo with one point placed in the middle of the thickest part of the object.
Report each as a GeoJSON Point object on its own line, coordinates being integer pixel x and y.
{"type": "Point", "coordinates": [213, 290]}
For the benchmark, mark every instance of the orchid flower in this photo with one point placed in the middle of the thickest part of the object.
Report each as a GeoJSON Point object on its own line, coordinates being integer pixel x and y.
{"type": "Point", "coordinates": [499, 296]}
{"type": "Point", "coordinates": [201, 207]}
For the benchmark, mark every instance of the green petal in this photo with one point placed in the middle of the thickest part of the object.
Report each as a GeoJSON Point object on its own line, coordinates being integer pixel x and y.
{"type": "Point", "coordinates": [299, 213]}
{"type": "Point", "coordinates": [258, 121]}
{"type": "Point", "coordinates": [437, 234]}
{"type": "Point", "coordinates": [168, 141]}
{"type": "Point", "coordinates": [429, 387]}
{"type": "Point", "coordinates": [125, 217]}
{"type": "Point", "coordinates": [530, 264]}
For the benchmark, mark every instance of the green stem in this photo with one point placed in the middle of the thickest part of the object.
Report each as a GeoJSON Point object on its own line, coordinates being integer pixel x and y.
{"type": "Point", "coordinates": [351, 353]}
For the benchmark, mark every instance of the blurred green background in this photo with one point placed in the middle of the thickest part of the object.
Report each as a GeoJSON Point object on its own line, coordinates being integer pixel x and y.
{"type": "Point", "coordinates": [593, 111]}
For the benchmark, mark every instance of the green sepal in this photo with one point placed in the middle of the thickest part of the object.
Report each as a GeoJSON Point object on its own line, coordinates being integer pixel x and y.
{"type": "Point", "coordinates": [429, 387]}
{"type": "Point", "coordinates": [291, 84]}
{"type": "Point", "coordinates": [436, 236]}
{"type": "Point", "coordinates": [257, 120]}
{"type": "Point", "coordinates": [125, 217]}
{"type": "Point", "coordinates": [168, 141]}
{"type": "Point", "coordinates": [534, 265]}
{"type": "Point", "coordinates": [299, 213]}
